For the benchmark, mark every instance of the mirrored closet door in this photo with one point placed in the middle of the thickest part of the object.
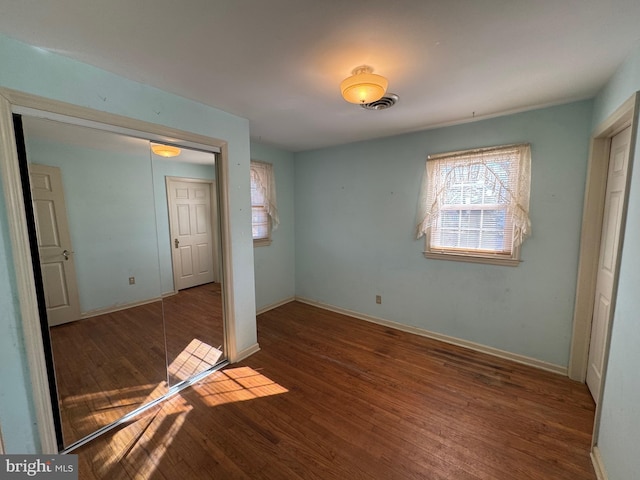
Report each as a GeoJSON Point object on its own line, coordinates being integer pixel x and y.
{"type": "Point", "coordinates": [190, 269]}
{"type": "Point", "coordinates": [129, 265]}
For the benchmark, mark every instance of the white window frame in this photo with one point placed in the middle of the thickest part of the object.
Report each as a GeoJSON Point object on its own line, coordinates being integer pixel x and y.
{"type": "Point", "coordinates": [262, 177]}
{"type": "Point", "coordinates": [515, 203]}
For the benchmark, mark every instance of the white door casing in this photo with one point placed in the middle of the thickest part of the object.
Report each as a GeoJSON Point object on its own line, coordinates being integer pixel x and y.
{"type": "Point", "coordinates": [57, 262]}
{"type": "Point", "coordinates": [18, 231]}
{"type": "Point", "coordinates": [192, 238]}
{"type": "Point", "coordinates": [607, 261]}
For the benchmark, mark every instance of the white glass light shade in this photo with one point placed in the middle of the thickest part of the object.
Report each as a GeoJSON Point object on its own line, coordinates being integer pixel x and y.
{"type": "Point", "coordinates": [165, 150]}
{"type": "Point", "coordinates": [363, 86]}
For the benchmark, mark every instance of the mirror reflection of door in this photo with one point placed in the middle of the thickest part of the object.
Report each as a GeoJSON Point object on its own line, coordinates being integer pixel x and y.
{"type": "Point", "coordinates": [191, 232]}
{"type": "Point", "coordinates": [111, 355]}
{"type": "Point", "coordinates": [54, 245]}
{"type": "Point", "coordinates": [195, 336]}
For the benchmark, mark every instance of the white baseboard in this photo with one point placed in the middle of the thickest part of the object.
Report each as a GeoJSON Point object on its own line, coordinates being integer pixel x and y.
{"type": "Point", "coordinates": [117, 308]}
{"type": "Point", "coordinates": [532, 362]}
{"type": "Point", "coordinates": [266, 308]}
{"type": "Point", "coordinates": [598, 465]}
{"type": "Point", "coordinates": [247, 352]}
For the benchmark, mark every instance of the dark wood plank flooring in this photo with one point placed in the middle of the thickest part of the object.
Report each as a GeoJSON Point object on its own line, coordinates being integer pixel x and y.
{"type": "Point", "coordinates": [332, 397]}
{"type": "Point", "coordinates": [108, 365]}
{"type": "Point", "coordinates": [194, 329]}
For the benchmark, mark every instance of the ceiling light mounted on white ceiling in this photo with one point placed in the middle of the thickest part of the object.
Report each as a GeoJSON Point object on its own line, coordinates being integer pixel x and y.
{"type": "Point", "coordinates": [166, 151]}
{"type": "Point", "coordinates": [363, 86]}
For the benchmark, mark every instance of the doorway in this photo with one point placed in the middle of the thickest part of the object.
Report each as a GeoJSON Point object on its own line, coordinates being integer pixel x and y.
{"type": "Point", "coordinates": [590, 240]}
{"type": "Point", "coordinates": [238, 301]}
{"type": "Point", "coordinates": [192, 224]}
{"type": "Point", "coordinates": [116, 356]}
{"type": "Point", "coordinates": [608, 257]}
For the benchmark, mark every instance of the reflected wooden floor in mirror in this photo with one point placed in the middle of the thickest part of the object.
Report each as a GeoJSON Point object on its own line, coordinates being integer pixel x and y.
{"type": "Point", "coordinates": [194, 330]}
{"type": "Point", "coordinates": [108, 365]}
{"type": "Point", "coordinates": [332, 397]}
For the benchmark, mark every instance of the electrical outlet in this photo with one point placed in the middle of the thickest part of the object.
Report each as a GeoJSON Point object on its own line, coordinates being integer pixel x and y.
{"type": "Point", "coordinates": [378, 299]}
{"type": "Point", "coordinates": [132, 280]}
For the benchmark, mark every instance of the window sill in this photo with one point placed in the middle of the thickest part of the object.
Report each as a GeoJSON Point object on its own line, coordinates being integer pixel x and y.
{"type": "Point", "coordinates": [508, 262]}
{"type": "Point", "coordinates": [262, 242]}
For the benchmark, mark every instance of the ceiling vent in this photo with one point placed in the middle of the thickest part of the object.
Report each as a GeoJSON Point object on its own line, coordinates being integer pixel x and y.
{"type": "Point", "coordinates": [388, 101]}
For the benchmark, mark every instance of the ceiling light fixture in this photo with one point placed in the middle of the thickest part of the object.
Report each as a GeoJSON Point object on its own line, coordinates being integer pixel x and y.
{"type": "Point", "coordinates": [165, 150]}
{"type": "Point", "coordinates": [363, 86]}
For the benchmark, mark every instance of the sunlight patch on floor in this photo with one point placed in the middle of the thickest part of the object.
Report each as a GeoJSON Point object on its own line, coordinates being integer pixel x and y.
{"type": "Point", "coordinates": [236, 385]}
{"type": "Point", "coordinates": [117, 397]}
{"type": "Point", "coordinates": [144, 441]}
{"type": "Point", "coordinates": [94, 410]}
{"type": "Point", "coordinates": [195, 358]}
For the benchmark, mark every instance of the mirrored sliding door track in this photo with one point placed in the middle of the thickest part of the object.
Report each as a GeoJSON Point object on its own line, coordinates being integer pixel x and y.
{"type": "Point", "coordinates": [131, 415]}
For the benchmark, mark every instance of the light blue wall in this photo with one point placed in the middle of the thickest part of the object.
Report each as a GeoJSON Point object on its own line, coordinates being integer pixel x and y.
{"type": "Point", "coordinates": [355, 221]}
{"type": "Point", "coordinates": [19, 429]}
{"type": "Point", "coordinates": [110, 206]}
{"type": "Point", "coordinates": [118, 218]}
{"type": "Point", "coordinates": [49, 75]}
{"type": "Point", "coordinates": [618, 89]}
{"type": "Point", "coordinates": [275, 263]}
{"type": "Point", "coordinates": [620, 420]}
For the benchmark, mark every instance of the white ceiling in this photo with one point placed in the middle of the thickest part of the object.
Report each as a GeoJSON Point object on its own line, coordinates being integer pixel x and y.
{"type": "Point", "coordinates": [279, 63]}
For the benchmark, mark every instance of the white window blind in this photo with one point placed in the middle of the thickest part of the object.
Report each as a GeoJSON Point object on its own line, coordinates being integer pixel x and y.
{"type": "Point", "coordinates": [264, 210]}
{"type": "Point", "coordinates": [475, 203]}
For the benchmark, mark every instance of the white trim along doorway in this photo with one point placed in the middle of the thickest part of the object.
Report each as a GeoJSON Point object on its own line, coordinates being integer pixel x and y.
{"type": "Point", "coordinates": [592, 226]}
{"type": "Point", "coordinates": [592, 220]}
{"type": "Point", "coordinates": [12, 101]}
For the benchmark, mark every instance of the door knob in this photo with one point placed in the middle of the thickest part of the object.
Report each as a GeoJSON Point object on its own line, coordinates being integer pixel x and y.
{"type": "Point", "coordinates": [176, 242]}
{"type": "Point", "coordinates": [66, 254]}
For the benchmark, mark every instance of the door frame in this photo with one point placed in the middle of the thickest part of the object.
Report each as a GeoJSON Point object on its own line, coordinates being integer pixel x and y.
{"type": "Point", "coordinates": [592, 218]}
{"type": "Point", "coordinates": [593, 213]}
{"type": "Point", "coordinates": [19, 234]}
{"type": "Point", "coordinates": [214, 223]}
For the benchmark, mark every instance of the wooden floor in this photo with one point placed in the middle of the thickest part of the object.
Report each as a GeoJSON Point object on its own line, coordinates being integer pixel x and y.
{"type": "Point", "coordinates": [193, 319]}
{"type": "Point", "coordinates": [108, 365]}
{"type": "Point", "coordinates": [331, 397]}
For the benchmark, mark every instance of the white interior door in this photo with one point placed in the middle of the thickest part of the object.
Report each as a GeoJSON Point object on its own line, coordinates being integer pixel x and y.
{"type": "Point", "coordinates": [609, 242]}
{"type": "Point", "coordinates": [191, 232]}
{"type": "Point", "coordinates": [54, 245]}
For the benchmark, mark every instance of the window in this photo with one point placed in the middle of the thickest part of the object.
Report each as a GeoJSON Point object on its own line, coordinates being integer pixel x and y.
{"type": "Point", "coordinates": [474, 205]}
{"type": "Point", "coordinates": [264, 212]}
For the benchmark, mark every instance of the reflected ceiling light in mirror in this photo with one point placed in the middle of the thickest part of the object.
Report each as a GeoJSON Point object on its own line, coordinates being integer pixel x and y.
{"type": "Point", "coordinates": [363, 86]}
{"type": "Point", "coordinates": [165, 150]}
